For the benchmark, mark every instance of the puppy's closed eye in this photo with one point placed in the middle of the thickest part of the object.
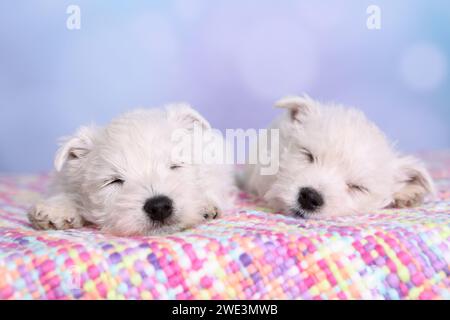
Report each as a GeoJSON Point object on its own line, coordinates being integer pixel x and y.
{"type": "Point", "coordinates": [357, 188]}
{"type": "Point", "coordinates": [113, 182]}
{"type": "Point", "coordinates": [176, 166]}
{"type": "Point", "coordinates": [308, 154]}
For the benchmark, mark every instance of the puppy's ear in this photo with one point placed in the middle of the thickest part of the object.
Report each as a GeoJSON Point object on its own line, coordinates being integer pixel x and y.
{"type": "Point", "coordinates": [187, 117]}
{"type": "Point", "coordinates": [75, 147]}
{"type": "Point", "coordinates": [413, 183]}
{"type": "Point", "coordinates": [298, 107]}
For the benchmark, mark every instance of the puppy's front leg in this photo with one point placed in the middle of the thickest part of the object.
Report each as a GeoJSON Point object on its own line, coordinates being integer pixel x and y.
{"type": "Point", "coordinates": [57, 212]}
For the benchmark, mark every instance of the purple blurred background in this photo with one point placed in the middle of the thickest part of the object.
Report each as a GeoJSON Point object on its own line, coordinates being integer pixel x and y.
{"type": "Point", "coordinates": [230, 59]}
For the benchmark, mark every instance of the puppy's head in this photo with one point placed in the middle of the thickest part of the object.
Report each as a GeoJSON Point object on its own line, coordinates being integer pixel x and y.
{"type": "Point", "coordinates": [124, 176]}
{"type": "Point", "coordinates": [334, 161]}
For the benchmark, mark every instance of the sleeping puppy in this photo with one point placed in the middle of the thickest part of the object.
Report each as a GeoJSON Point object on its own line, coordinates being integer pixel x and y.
{"type": "Point", "coordinates": [127, 179]}
{"type": "Point", "coordinates": [333, 161]}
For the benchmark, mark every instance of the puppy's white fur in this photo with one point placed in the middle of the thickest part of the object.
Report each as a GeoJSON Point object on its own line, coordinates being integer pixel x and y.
{"type": "Point", "coordinates": [136, 148]}
{"type": "Point", "coordinates": [353, 166]}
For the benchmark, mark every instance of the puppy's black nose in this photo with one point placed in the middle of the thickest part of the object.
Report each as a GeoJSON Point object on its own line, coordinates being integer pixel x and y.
{"type": "Point", "coordinates": [158, 208]}
{"type": "Point", "coordinates": [309, 199]}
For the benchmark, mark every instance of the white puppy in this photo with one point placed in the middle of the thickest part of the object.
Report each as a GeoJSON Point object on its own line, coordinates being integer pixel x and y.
{"type": "Point", "coordinates": [125, 178]}
{"type": "Point", "coordinates": [333, 161]}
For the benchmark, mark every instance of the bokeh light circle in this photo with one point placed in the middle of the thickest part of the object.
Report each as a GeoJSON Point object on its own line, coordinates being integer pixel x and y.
{"type": "Point", "coordinates": [423, 67]}
{"type": "Point", "coordinates": [277, 58]}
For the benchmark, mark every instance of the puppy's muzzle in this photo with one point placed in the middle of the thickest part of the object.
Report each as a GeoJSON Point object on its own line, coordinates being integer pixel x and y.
{"type": "Point", "coordinates": [309, 199]}
{"type": "Point", "coordinates": [159, 208]}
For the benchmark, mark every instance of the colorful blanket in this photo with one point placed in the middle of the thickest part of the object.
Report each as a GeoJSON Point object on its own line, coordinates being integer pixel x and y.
{"type": "Point", "coordinates": [249, 254]}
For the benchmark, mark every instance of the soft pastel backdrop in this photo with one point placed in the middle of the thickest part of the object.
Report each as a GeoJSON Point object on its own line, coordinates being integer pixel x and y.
{"type": "Point", "coordinates": [231, 59]}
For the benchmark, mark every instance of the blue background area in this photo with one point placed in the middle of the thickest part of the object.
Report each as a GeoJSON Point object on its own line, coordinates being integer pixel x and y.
{"type": "Point", "coordinates": [230, 59]}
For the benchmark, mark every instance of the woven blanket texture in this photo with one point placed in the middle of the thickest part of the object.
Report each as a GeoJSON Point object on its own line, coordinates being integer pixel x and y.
{"type": "Point", "coordinates": [248, 254]}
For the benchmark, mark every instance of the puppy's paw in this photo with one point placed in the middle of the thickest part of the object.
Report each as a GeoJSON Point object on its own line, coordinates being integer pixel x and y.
{"type": "Point", "coordinates": [411, 202]}
{"type": "Point", "coordinates": [45, 216]}
{"type": "Point", "coordinates": [407, 203]}
{"type": "Point", "coordinates": [211, 212]}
